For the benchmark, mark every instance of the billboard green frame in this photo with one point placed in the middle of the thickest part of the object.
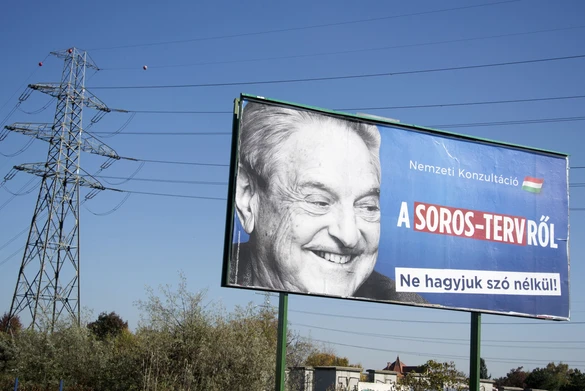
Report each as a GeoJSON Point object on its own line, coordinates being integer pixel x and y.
{"type": "Point", "coordinates": [234, 161]}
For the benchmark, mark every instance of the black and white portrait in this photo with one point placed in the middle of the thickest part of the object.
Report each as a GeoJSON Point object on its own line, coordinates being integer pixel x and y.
{"type": "Point", "coordinates": [308, 197]}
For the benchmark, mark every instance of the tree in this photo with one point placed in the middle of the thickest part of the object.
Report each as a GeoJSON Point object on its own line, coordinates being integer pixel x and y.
{"type": "Point", "coordinates": [434, 375]}
{"type": "Point", "coordinates": [298, 348]}
{"type": "Point", "coordinates": [188, 344]}
{"type": "Point", "coordinates": [9, 327]}
{"type": "Point", "coordinates": [182, 343]}
{"type": "Point", "coordinates": [576, 381]}
{"type": "Point", "coordinates": [7, 353]}
{"type": "Point", "coordinates": [107, 326]}
{"type": "Point", "coordinates": [552, 377]}
{"type": "Point", "coordinates": [8, 324]}
{"type": "Point", "coordinates": [322, 359]}
{"type": "Point", "coordinates": [514, 378]}
{"type": "Point", "coordinates": [483, 371]}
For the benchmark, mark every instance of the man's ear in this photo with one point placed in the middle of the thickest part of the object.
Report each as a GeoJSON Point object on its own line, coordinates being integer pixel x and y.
{"type": "Point", "coordinates": [246, 199]}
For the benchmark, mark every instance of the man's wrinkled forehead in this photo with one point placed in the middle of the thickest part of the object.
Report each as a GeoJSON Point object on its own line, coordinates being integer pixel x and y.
{"type": "Point", "coordinates": [310, 185]}
{"type": "Point", "coordinates": [274, 160]}
{"type": "Point", "coordinates": [299, 176]}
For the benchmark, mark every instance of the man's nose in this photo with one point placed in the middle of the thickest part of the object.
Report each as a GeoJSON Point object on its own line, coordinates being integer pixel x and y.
{"type": "Point", "coordinates": [344, 227]}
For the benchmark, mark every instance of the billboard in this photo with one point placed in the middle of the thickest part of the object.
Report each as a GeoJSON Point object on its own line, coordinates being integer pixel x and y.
{"type": "Point", "coordinates": [339, 205]}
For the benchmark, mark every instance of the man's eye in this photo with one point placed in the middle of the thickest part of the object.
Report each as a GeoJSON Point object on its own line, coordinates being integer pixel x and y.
{"type": "Point", "coordinates": [318, 202]}
{"type": "Point", "coordinates": [370, 208]}
{"type": "Point", "coordinates": [369, 211]}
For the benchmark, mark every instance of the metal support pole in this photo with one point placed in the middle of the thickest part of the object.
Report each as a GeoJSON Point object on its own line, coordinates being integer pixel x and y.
{"type": "Point", "coordinates": [474, 351]}
{"type": "Point", "coordinates": [281, 343]}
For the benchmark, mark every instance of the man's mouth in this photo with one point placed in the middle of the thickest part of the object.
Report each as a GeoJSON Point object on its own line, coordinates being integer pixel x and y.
{"type": "Point", "coordinates": [335, 258]}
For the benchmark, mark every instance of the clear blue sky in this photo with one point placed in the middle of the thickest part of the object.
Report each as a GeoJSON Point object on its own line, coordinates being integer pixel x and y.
{"type": "Point", "coordinates": [149, 239]}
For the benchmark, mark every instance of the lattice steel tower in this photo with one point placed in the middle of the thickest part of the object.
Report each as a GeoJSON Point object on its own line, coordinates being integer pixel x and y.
{"type": "Point", "coordinates": [48, 283]}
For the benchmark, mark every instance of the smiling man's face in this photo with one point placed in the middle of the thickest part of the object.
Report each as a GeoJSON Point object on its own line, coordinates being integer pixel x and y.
{"type": "Point", "coordinates": [317, 223]}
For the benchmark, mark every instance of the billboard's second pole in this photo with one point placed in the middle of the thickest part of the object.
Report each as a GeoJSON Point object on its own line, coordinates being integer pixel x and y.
{"type": "Point", "coordinates": [474, 351]}
{"type": "Point", "coordinates": [281, 343]}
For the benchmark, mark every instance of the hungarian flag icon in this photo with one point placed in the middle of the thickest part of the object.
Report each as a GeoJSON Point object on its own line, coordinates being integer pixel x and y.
{"type": "Point", "coordinates": [533, 185]}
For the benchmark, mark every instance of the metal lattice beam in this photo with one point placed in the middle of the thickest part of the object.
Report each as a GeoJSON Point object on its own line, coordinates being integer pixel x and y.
{"type": "Point", "coordinates": [46, 132]}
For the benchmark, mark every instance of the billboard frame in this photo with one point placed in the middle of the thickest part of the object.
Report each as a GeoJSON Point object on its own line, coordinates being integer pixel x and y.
{"type": "Point", "coordinates": [374, 120]}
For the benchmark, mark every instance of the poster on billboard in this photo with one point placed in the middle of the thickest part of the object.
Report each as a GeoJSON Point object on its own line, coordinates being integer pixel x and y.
{"type": "Point", "coordinates": [339, 205]}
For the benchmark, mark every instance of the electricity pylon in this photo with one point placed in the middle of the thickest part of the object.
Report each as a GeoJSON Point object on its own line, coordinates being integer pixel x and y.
{"type": "Point", "coordinates": [48, 283]}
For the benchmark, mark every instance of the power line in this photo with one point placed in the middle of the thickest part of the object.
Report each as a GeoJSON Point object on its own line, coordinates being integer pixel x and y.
{"type": "Point", "coordinates": [159, 180]}
{"type": "Point", "coordinates": [25, 230]}
{"type": "Point", "coordinates": [436, 126]}
{"type": "Point", "coordinates": [114, 209]}
{"type": "Point", "coordinates": [165, 133]}
{"type": "Point", "coordinates": [169, 195]}
{"type": "Point", "coordinates": [346, 77]}
{"type": "Point", "coordinates": [176, 162]}
{"type": "Point", "coordinates": [22, 189]}
{"type": "Point", "coordinates": [492, 102]}
{"type": "Point", "coordinates": [282, 30]}
{"type": "Point", "coordinates": [506, 123]}
{"type": "Point", "coordinates": [441, 338]}
{"type": "Point", "coordinates": [448, 341]}
{"type": "Point", "coordinates": [12, 255]}
{"type": "Point", "coordinates": [23, 84]}
{"type": "Point", "coordinates": [14, 238]}
{"type": "Point", "coordinates": [180, 111]}
{"type": "Point", "coordinates": [40, 110]}
{"type": "Point", "coordinates": [423, 321]}
{"type": "Point", "coordinates": [434, 105]}
{"type": "Point", "coordinates": [492, 359]}
{"type": "Point", "coordinates": [214, 183]}
{"type": "Point", "coordinates": [121, 128]}
{"type": "Point", "coordinates": [19, 151]}
{"type": "Point", "coordinates": [307, 55]}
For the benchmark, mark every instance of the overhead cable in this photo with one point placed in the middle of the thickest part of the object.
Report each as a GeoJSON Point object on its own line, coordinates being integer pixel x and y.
{"type": "Point", "coordinates": [114, 209]}
{"type": "Point", "coordinates": [196, 182]}
{"type": "Point", "coordinates": [282, 30]}
{"type": "Point", "coordinates": [351, 51]}
{"type": "Point", "coordinates": [506, 123]}
{"type": "Point", "coordinates": [428, 321]}
{"type": "Point", "coordinates": [492, 359]}
{"type": "Point", "coordinates": [169, 195]}
{"type": "Point", "coordinates": [175, 162]}
{"type": "Point", "coordinates": [433, 105]}
{"type": "Point", "coordinates": [40, 110]}
{"type": "Point", "coordinates": [167, 133]}
{"type": "Point", "coordinates": [344, 77]}
{"type": "Point", "coordinates": [160, 180]}
{"type": "Point", "coordinates": [429, 339]}
{"type": "Point", "coordinates": [18, 193]}
{"type": "Point", "coordinates": [24, 84]}
{"type": "Point", "coordinates": [528, 121]}
{"type": "Point", "coordinates": [120, 129]}
{"type": "Point", "coordinates": [21, 150]}
{"type": "Point", "coordinates": [448, 341]}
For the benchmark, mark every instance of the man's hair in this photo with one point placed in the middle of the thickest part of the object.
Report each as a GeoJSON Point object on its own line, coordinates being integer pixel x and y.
{"type": "Point", "coordinates": [265, 127]}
